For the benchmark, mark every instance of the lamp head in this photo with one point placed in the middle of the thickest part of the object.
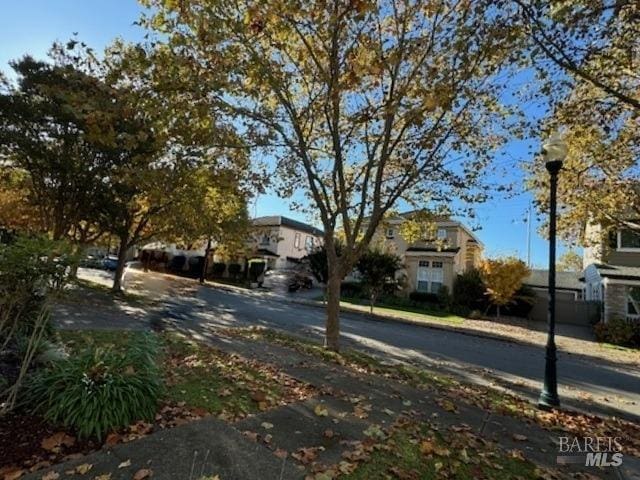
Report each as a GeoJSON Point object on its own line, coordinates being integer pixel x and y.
{"type": "Point", "coordinates": [555, 148]}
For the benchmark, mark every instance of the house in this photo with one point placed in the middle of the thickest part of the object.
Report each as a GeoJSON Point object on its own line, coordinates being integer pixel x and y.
{"type": "Point", "coordinates": [281, 241]}
{"type": "Point", "coordinates": [612, 271]}
{"type": "Point", "coordinates": [431, 263]}
{"type": "Point", "coordinates": [568, 284]}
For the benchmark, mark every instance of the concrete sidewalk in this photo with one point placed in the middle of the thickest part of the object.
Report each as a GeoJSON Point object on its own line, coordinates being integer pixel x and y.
{"type": "Point", "coordinates": [203, 448]}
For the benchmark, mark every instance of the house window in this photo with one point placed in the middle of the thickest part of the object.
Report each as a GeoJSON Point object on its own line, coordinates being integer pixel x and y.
{"type": "Point", "coordinates": [633, 303]}
{"type": "Point", "coordinates": [296, 240]}
{"type": "Point", "coordinates": [422, 284]}
{"type": "Point", "coordinates": [442, 234]}
{"type": "Point", "coordinates": [429, 279]}
{"type": "Point", "coordinates": [265, 240]}
{"type": "Point", "coordinates": [628, 239]}
{"type": "Point", "coordinates": [437, 277]}
{"type": "Point", "coordinates": [390, 233]}
{"type": "Point", "coordinates": [309, 243]}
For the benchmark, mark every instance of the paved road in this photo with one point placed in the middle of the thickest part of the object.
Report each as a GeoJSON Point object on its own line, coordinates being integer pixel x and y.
{"type": "Point", "coordinates": [612, 388]}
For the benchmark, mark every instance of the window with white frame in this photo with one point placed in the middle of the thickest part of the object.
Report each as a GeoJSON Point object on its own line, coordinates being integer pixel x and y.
{"type": "Point", "coordinates": [633, 303]}
{"type": "Point", "coordinates": [430, 277]}
{"type": "Point", "coordinates": [296, 240]}
{"type": "Point", "coordinates": [390, 233]}
{"type": "Point", "coordinates": [265, 240]}
{"type": "Point", "coordinates": [628, 239]}
{"type": "Point", "coordinates": [308, 243]}
{"type": "Point", "coordinates": [442, 234]}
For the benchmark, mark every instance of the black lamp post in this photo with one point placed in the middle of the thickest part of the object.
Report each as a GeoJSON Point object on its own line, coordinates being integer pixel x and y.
{"type": "Point", "coordinates": [554, 151]}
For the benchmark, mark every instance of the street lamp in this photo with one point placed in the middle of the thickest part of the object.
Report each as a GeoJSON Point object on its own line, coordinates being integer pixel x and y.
{"type": "Point", "coordinates": [554, 152]}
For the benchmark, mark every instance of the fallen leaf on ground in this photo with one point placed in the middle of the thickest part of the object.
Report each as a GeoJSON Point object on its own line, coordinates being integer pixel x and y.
{"type": "Point", "coordinates": [143, 473]}
{"type": "Point", "coordinates": [519, 438]}
{"type": "Point", "coordinates": [56, 440]}
{"type": "Point", "coordinates": [266, 425]}
{"type": "Point", "coordinates": [125, 464]}
{"type": "Point", "coordinates": [305, 455]}
{"type": "Point", "coordinates": [321, 411]}
{"type": "Point", "coordinates": [13, 473]}
{"type": "Point", "coordinates": [328, 433]}
{"type": "Point", "coordinates": [104, 476]}
{"type": "Point", "coordinates": [51, 475]}
{"type": "Point", "coordinates": [403, 474]}
{"type": "Point", "coordinates": [112, 439]}
{"type": "Point", "coordinates": [426, 447]}
{"type": "Point", "coordinates": [83, 468]}
{"type": "Point", "coordinates": [280, 453]}
{"type": "Point", "coordinates": [258, 396]}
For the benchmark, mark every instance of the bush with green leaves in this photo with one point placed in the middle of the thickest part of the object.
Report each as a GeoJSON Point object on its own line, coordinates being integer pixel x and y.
{"type": "Point", "coordinates": [31, 268]}
{"type": "Point", "coordinates": [218, 268]}
{"type": "Point", "coordinates": [234, 270]}
{"type": "Point", "coordinates": [618, 331]}
{"type": "Point", "coordinates": [469, 291]}
{"type": "Point", "coordinates": [99, 389]}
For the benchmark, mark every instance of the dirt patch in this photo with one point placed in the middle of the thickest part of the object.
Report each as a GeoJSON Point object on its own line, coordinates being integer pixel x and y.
{"type": "Point", "coordinates": [23, 436]}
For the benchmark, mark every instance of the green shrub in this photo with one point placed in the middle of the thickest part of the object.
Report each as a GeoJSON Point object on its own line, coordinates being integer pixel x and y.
{"type": "Point", "coordinates": [469, 291]}
{"type": "Point", "coordinates": [218, 268]}
{"type": "Point", "coordinates": [352, 290]}
{"type": "Point", "coordinates": [618, 331]}
{"type": "Point", "coordinates": [234, 270]}
{"type": "Point", "coordinates": [99, 389]}
{"type": "Point", "coordinates": [424, 297]}
{"type": "Point", "coordinates": [31, 268]}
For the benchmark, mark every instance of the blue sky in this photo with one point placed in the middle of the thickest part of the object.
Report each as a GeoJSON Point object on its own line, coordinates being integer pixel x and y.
{"type": "Point", "coordinates": [30, 26]}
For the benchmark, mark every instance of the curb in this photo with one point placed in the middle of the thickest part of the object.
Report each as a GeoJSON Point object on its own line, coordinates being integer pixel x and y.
{"type": "Point", "coordinates": [371, 317]}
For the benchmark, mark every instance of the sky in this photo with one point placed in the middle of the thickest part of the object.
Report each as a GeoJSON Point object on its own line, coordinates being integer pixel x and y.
{"type": "Point", "coordinates": [30, 26]}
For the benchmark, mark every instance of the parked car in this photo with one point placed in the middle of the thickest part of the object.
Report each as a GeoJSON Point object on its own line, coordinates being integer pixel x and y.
{"type": "Point", "coordinates": [110, 262]}
{"type": "Point", "coordinates": [91, 261]}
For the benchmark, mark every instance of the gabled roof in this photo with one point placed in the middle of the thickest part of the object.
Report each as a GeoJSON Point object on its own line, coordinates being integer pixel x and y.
{"type": "Point", "coordinates": [278, 220]}
{"type": "Point", "coordinates": [564, 280]}
{"type": "Point", "coordinates": [618, 271]}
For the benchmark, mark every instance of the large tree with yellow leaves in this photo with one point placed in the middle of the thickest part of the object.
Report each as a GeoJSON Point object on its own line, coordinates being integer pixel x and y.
{"type": "Point", "coordinates": [359, 103]}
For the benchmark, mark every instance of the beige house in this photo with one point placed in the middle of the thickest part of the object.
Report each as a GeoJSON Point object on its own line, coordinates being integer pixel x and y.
{"type": "Point", "coordinates": [431, 263]}
{"type": "Point", "coordinates": [612, 271]}
{"type": "Point", "coordinates": [282, 242]}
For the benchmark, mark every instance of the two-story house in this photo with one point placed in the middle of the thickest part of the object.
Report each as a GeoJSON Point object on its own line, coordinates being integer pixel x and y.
{"type": "Point", "coordinates": [431, 263]}
{"type": "Point", "coordinates": [282, 242]}
{"type": "Point", "coordinates": [612, 271]}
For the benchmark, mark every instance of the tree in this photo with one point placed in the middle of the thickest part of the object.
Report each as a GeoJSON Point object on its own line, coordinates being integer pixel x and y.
{"type": "Point", "coordinates": [570, 261]}
{"type": "Point", "coordinates": [367, 102]}
{"type": "Point", "coordinates": [16, 209]}
{"type": "Point", "coordinates": [166, 147]}
{"type": "Point", "coordinates": [50, 123]}
{"type": "Point", "coordinates": [596, 43]}
{"type": "Point", "coordinates": [377, 270]}
{"type": "Point", "coordinates": [587, 56]}
{"type": "Point", "coordinates": [502, 279]}
{"type": "Point", "coordinates": [215, 211]}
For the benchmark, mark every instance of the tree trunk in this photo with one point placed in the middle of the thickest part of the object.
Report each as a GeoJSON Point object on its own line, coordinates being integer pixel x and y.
{"type": "Point", "coordinates": [122, 258]}
{"type": "Point", "coordinates": [205, 264]}
{"type": "Point", "coordinates": [332, 328]}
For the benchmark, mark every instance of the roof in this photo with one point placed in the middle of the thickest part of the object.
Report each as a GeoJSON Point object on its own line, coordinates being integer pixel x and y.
{"type": "Point", "coordinates": [278, 220]}
{"type": "Point", "coordinates": [263, 252]}
{"type": "Point", "coordinates": [564, 280]}
{"type": "Point", "coordinates": [433, 249]}
{"type": "Point", "coordinates": [618, 271]}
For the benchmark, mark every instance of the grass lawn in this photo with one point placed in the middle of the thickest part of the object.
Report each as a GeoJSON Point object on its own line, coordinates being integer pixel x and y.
{"type": "Point", "coordinates": [455, 391]}
{"type": "Point", "coordinates": [417, 451]}
{"type": "Point", "coordinates": [403, 311]}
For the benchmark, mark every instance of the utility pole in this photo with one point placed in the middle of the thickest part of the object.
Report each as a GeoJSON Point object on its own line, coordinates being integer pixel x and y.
{"type": "Point", "coordinates": [529, 236]}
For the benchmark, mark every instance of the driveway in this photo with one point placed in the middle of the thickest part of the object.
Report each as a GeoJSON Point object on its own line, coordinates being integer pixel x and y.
{"type": "Point", "coordinates": [595, 384]}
